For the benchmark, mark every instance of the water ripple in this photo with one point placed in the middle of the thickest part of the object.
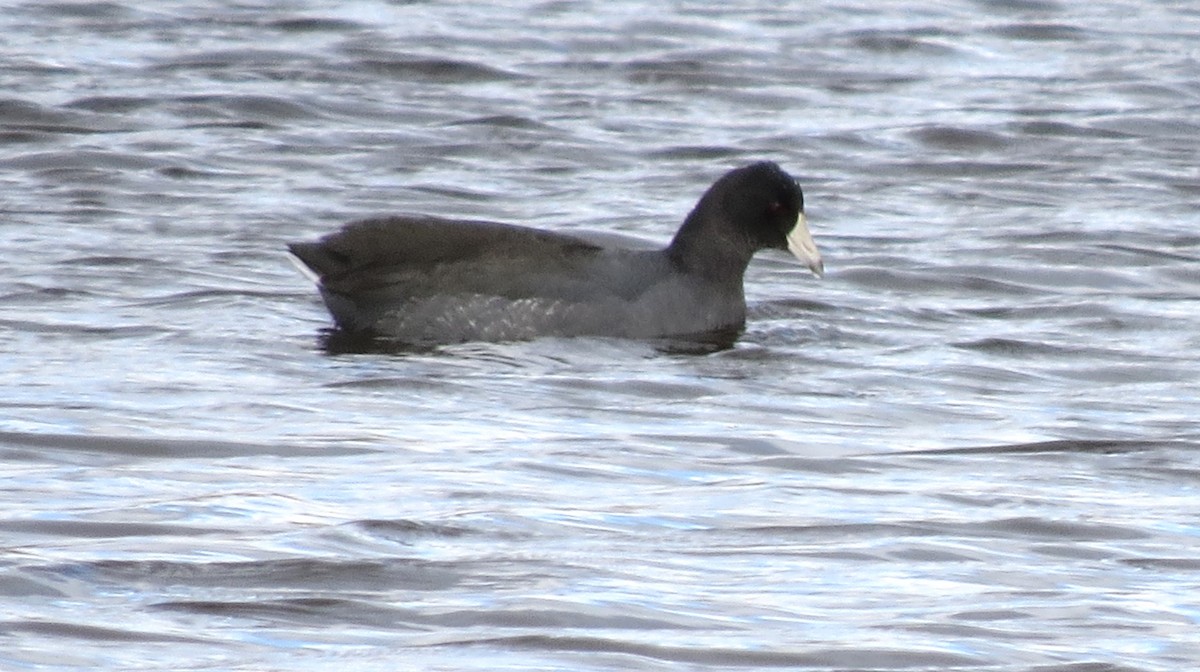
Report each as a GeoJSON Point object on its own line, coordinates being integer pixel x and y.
{"type": "Point", "coordinates": [971, 445]}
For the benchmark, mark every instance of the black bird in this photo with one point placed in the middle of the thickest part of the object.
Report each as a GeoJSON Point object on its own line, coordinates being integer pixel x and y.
{"type": "Point", "coordinates": [430, 280]}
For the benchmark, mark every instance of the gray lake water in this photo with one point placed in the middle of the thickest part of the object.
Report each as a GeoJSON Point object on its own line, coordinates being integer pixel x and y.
{"type": "Point", "coordinates": [973, 445]}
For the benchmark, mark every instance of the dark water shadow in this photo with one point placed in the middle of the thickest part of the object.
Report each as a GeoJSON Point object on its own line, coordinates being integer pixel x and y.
{"type": "Point", "coordinates": [338, 342]}
{"type": "Point", "coordinates": [1082, 446]}
{"type": "Point", "coordinates": [160, 447]}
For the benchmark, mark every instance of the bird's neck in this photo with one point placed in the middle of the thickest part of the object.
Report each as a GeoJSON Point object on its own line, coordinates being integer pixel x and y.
{"type": "Point", "coordinates": [702, 245]}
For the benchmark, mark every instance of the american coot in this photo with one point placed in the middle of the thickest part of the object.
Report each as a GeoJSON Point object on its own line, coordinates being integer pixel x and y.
{"type": "Point", "coordinates": [429, 280]}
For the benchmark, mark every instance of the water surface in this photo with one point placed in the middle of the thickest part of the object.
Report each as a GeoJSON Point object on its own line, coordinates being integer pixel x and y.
{"type": "Point", "coordinates": [971, 446]}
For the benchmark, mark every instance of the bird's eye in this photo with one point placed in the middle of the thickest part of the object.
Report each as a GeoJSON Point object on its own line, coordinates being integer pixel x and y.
{"type": "Point", "coordinates": [774, 207]}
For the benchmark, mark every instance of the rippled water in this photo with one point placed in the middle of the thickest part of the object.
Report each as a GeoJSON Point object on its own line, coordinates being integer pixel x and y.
{"type": "Point", "coordinates": [971, 446]}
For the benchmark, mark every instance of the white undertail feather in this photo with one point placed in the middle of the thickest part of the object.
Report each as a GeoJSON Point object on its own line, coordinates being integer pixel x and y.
{"type": "Point", "coordinates": [308, 272]}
